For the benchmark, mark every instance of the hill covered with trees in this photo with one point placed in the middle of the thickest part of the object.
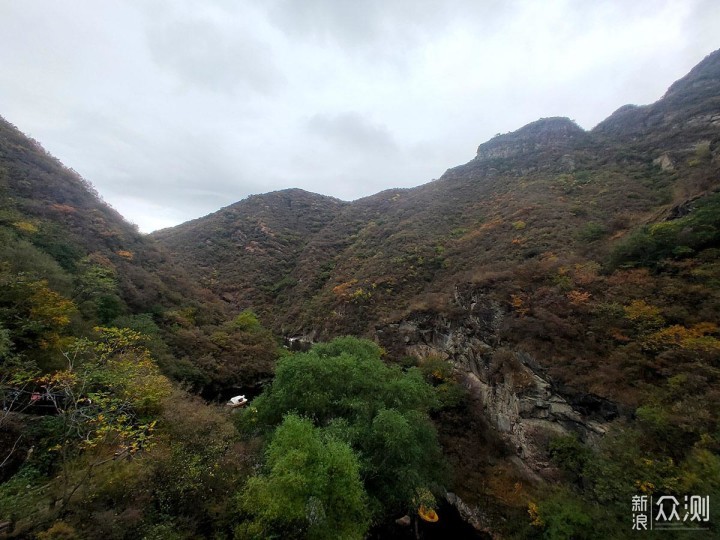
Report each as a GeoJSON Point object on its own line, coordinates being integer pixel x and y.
{"type": "Point", "coordinates": [569, 276]}
{"type": "Point", "coordinates": [101, 338]}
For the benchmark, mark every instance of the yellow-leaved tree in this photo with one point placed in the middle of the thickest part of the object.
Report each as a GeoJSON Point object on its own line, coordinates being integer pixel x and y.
{"type": "Point", "coordinates": [107, 399]}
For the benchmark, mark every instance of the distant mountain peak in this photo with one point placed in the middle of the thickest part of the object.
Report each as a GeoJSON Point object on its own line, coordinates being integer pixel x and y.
{"type": "Point", "coordinates": [688, 112]}
{"type": "Point", "coordinates": [703, 79]}
{"type": "Point", "coordinates": [547, 133]}
{"type": "Point", "coordinates": [287, 195]}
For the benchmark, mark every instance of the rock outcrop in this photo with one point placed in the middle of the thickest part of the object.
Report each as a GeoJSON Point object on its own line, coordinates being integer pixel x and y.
{"type": "Point", "coordinates": [556, 133]}
{"type": "Point", "coordinates": [685, 115]}
{"type": "Point", "coordinates": [519, 400]}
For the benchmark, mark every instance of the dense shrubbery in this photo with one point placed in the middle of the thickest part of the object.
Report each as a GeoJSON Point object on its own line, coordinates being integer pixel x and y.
{"type": "Point", "coordinates": [91, 430]}
{"type": "Point", "coordinates": [351, 397]}
{"type": "Point", "coordinates": [102, 406]}
{"type": "Point", "coordinates": [627, 463]}
{"type": "Point", "coordinates": [675, 239]}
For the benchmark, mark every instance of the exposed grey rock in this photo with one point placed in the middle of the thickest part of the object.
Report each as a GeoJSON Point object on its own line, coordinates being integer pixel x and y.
{"type": "Point", "coordinates": [471, 514]}
{"type": "Point", "coordinates": [568, 163]}
{"type": "Point", "coordinates": [521, 402]}
{"type": "Point", "coordinates": [543, 134]}
{"type": "Point", "coordinates": [664, 162]}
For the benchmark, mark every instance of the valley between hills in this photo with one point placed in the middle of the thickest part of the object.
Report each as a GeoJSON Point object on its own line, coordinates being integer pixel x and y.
{"type": "Point", "coordinates": [522, 345]}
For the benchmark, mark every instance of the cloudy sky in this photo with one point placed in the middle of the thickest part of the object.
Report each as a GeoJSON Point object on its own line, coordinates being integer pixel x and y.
{"type": "Point", "coordinates": [175, 108]}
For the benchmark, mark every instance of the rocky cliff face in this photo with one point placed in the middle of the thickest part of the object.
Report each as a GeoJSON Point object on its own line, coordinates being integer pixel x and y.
{"type": "Point", "coordinates": [521, 402]}
{"type": "Point", "coordinates": [546, 134]}
{"type": "Point", "coordinates": [685, 115]}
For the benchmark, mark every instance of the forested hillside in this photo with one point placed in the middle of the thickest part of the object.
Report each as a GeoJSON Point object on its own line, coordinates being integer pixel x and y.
{"type": "Point", "coordinates": [101, 338]}
{"type": "Point", "coordinates": [58, 232]}
{"type": "Point", "coordinates": [558, 266]}
{"type": "Point", "coordinates": [549, 222]}
{"type": "Point", "coordinates": [535, 341]}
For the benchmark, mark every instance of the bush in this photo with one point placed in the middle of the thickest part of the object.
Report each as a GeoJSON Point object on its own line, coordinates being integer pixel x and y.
{"type": "Point", "coordinates": [565, 516]}
{"type": "Point", "coordinates": [440, 373]}
{"type": "Point", "coordinates": [246, 321]}
{"type": "Point", "coordinates": [675, 239]}
{"type": "Point", "coordinates": [59, 531]}
{"type": "Point", "coordinates": [591, 232]}
{"type": "Point", "coordinates": [570, 454]}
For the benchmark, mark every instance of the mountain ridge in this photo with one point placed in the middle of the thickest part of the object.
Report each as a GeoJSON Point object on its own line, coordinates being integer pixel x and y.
{"type": "Point", "coordinates": [551, 146]}
{"type": "Point", "coordinates": [551, 129]}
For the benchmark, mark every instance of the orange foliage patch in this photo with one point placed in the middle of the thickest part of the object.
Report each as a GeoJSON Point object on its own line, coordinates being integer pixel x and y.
{"type": "Point", "coordinates": [696, 338]}
{"type": "Point", "coordinates": [585, 274]}
{"type": "Point", "coordinates": [518, 305]}
{"type": "Point", "coordinates": [617, 335]}
{"type": "Point", "coordinates": [638, 277]}
{"type": "Point", "coordinates": [578, 298]}
{"type": "Point", "coordinates": [101, 260]}
{"type": "Point", "coordinates": [428, 514]}
{"type": "Point", "coordinates": [343, 290]}
{"type": "Point", "coordinates": [492, 224]}
{"type": "Point", "coordinates": [64, 208]}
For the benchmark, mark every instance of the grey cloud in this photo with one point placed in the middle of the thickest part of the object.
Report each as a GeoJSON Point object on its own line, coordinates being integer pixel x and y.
{"type": "Point", "coordinates": [189, 177]}
{"type": "Point", "coordinates": [351, 129]}
{"type": "Point", "coordinates": [702, 30]}
{"type": "Point", "coordinates": [383, 33]}
{"type": "Point", "coordinates": [173, 108]}
{"type": "Point", "coordinates": [205, 52]}
{"type": "Point", "coordinates": [189, 171]}
{"type": "Point", "coordinates": [361, 24]}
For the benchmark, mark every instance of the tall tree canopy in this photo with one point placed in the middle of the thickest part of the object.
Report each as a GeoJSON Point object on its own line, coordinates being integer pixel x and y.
{"type": "Point", "coordinates": [347, 392]}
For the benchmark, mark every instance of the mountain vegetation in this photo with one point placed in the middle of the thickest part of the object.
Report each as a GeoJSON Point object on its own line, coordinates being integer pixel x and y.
{"type": "Point", "coordinates": [536, 342]}
{"type": "Point", "coordinates": [342, 395]}
{"type": "Point", "coordinates": [96, 322]}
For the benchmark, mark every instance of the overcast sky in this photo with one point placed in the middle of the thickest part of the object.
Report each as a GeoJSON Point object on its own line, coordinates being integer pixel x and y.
{"type": "Point", "coordinates": [175, 108]}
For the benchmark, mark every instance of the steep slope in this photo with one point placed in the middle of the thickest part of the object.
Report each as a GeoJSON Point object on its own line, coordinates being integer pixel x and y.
{"type": "Point", "coordinates": [686, 114]}
{"type": "Point", "coordinates": [94, 317]}
{"type": "Point", "coordinates": [56, 210]}
{"type": "Point", "coordinates": [56, 230]}
{"type": "Point", "coordinates": [247, 252]}
{"type": "Point", "coordinates": [548, 187]}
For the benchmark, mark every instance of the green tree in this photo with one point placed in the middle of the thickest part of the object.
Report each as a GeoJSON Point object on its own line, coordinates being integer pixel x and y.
{"type": "Point", "coordinates": [565, 516]}
{"type": "Point", "coordinates": [382, 411]}
{"type": "Point", "coordinates": [311, 488]}
{"type": "Point", "coordinates": [196, 448]}
{"type": "Point", "coordinates": [246, 320]}
{"type": "Point", "coordinates": [239, 352]}
{"type": "Point", "coordinates": [96, 291]}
